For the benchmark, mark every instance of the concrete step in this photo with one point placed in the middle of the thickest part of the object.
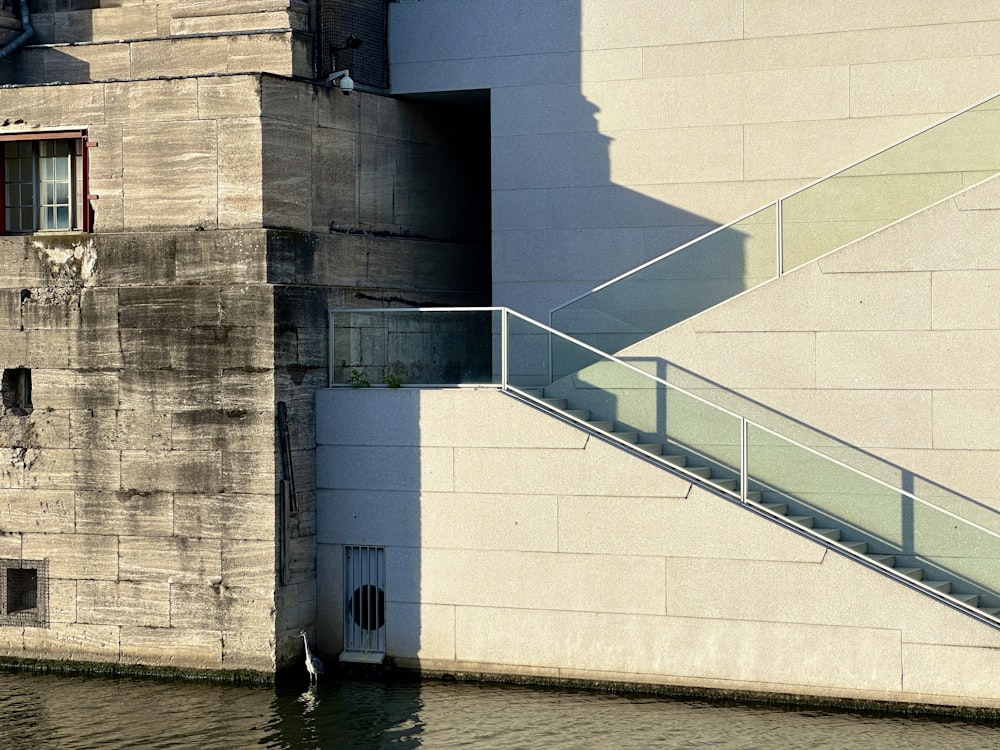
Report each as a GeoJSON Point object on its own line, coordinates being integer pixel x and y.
{"type": "Point", "coordinates": [971, 599]}
{"type": "Point", "coordinates": [859, 547]}
{"type": "Point", "coordinates": [601, 424]}
{"type": "Point", "coordinates": [654, 449]}
{"type": "Point", "coordinates": [992, 611]}
{"type": "Point", "coordinates": [914, 573]}
{"type": "Point", "coordinates": [943, 586]}
{"type": "Point", "coordinates": [583, 414]}
{"type": "Point", "coordinates": [754, 497]}
{"type": "Point", "coordinates": [700, 471]}
{"type": "Point", "coordinates": [675, 460]}
{"type": "Point", "coordinates": [806, 521]}
{"type": "Point", "coordinates": [888, 560]}
{"type": "Point", "coordinates": [628, 437]}
{"type": "Point", "coordinates": [555, 403]}
{"type": "Point", "coordinates": [780, 508]}
{"type": "Point", "coordinates": [726, 484]}
{"type": "Point", "coordinates": [831, 534]}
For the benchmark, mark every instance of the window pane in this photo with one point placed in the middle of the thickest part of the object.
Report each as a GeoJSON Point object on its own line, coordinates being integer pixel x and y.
{"type": "Point", "coordinates": [27, 222]}
{"type": "Point", "coordinates": [47, 193]}
{"type": "Point", "coordinates": [62, 218]}
{"type": "Point", "coordinates": [9, 149]}
{"type": "Point", "coordinates": [62, 193]}
{"type": "Point", "coordinates": [12, 170]}
{"type": "Point", "coordinates": [62, 168]}
{"type": "Point", "coordinates": [27, 195]}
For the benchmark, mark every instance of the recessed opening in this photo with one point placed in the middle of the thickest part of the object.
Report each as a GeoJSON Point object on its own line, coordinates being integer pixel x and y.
{"type": "Point", "coordinates": [24, 593]}
{"type": "Point", "coordinates": [22, 590]}
{"type": "Point", "coordinates": [368, 607]}
{"type": "Point", "coordinates": [15, 390]}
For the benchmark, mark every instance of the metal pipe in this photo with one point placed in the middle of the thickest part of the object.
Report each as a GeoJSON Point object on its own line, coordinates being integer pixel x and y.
{"type": "Point", "coordinates": [27, 31]}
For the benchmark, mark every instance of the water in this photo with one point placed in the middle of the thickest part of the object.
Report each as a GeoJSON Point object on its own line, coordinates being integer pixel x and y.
{"type": "Point", "coordinates": [74, 712]}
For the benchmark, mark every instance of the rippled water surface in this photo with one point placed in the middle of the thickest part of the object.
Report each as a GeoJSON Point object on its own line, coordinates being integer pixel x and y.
{"type": "Point", "coordinates": [70, 712]}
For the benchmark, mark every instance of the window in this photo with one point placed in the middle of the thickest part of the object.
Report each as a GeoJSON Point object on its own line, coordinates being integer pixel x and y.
{"type": "Point", "coordinates": [15, 391]}
{"type": "Point", "coordinates": [24, 594]}
{"type": "Point", "coordinates": [44, 183]}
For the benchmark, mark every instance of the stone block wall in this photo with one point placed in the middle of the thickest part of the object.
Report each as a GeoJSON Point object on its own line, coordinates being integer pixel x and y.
{"type": "Point", "coordinates": [517, 545]}
{"type": "Point", "coordinates": [623, 129]}
{"type": "Point", "coordinates": [77, 42]}
{"type": "Point", "coordinates": [144, 472]}
{"type": "Point", "coordinates": [888, 345]}
{"type": "Point", "coordinates": [147, 471]}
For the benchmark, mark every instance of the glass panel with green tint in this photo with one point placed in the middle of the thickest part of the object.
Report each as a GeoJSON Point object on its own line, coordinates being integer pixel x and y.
{"type": "Point", "coordinates": [892, 184]}
{"type": "Point", "coordinates": [688, 428]}
{"type": "Point", "coordinates": [416, 347]}
{"type": "Point", "coordinates": [834, 211]}
{"type": "Point", "coordinates": [675, 287]}
{"type": "Point", "coordinates": [891, 522]}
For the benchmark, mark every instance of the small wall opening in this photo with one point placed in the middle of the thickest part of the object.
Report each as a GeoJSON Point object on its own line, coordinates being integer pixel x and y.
{"type": "Point", "coordinates": [22, 589]}
{"type": "Point", "coordinates": [15, 391]}
{"type": "Point", "coordinates": [24, 593]}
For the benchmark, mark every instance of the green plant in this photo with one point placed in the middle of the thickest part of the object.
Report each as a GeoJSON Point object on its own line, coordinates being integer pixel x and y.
{"type": "Point", "coordinates": [393, 381]}
{"type": "Point", "coordinates": [358, 379]}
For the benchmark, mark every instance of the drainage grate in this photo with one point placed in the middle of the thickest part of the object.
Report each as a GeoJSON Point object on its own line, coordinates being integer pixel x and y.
{"type": "Point", "coordinates": [364, 604]}
{"type": "Point", "coordinates": [24, 593]}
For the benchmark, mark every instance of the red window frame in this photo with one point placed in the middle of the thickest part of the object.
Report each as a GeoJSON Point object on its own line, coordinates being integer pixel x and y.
{"type": "Point", "coordinates": [86, 211]}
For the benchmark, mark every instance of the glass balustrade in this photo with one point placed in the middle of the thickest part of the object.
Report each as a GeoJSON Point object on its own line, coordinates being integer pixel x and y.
{"type": "Point", "coordinates": [715, 435]}
{"type": "Point", "coordinates": [918, 535]}
{"type": "Point", "coordinates": [400, 346]}
{"type": "Point", "coordinates": [891, 185]}
{"type": "Point", "coordinates": [689, 280]}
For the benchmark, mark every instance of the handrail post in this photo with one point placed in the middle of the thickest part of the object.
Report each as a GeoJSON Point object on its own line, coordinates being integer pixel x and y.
{"type": "Point", "coordinates": [779, 239]}
{"type": "Point", "coordinates": [329, 343]}
{"type": "Point", "coordinates": [744, 468]}
{"type": "Point", "coordinates": [504, 364]}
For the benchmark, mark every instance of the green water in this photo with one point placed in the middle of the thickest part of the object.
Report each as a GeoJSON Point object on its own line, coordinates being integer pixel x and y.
{"type": "Point", "coordinates": [72, 712]}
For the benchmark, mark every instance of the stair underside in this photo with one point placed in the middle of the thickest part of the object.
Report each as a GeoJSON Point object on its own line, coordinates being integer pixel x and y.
{"type": "Point", "coordinates": [630, 439]}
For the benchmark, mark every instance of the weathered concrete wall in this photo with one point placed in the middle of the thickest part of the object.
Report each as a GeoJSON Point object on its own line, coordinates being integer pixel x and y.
{"type": "Point", "coordinates": [159, 346]}
{"type": "Point", "coordinates": [364, 163]}
{"type": "Point", "coordinates": [144, 474]}
{"type": "Point", "coordinates": [889, 345]}
{"type": "Point", "coordinates": [517, 545]}
{"type": "Point", "coordinates": [77, 42]}
{"type": "Point", "coordinates": [249, 151]}
{"type": "Point", "coordinates": [622, 129]}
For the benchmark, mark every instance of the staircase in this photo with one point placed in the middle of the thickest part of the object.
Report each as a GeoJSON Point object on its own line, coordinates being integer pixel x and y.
{"type": "Point", "coordinates": [763, 501]}
{"type": "Point", "coordinates": [567, 369]}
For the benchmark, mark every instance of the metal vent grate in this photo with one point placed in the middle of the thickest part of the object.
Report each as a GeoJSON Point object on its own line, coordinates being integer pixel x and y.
{"type": "Point", "coordinates": [364, 604]}
{"type": "Point", "coordinates": [24, 592]}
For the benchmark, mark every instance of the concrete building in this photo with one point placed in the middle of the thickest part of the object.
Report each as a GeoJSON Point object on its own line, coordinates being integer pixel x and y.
{"type": "Point", "coordinates": [186, 196]}
{"type": "Point", "coordinates": [514, 536]}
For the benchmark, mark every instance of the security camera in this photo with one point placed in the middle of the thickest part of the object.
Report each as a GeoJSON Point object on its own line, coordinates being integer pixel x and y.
{"type": "Point", "coordinates": [342, 79]}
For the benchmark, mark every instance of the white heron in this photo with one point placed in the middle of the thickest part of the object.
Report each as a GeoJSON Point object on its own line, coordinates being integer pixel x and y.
{"type": "Point", "coordinates": [313, 665]}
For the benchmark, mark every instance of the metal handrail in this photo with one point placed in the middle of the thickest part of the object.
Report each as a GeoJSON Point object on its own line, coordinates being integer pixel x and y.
{"type": "Point", "coordinates": [744, 422]}
{"type": "Point", "coordinates": [778, 203]}
{"type": "Point", "coordinates": [743, 429]}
